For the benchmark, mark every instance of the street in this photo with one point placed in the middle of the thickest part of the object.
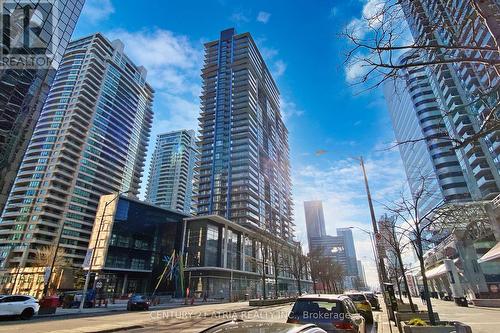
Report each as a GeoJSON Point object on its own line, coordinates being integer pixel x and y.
{"type": "Point", "coordinates": [182, 319]}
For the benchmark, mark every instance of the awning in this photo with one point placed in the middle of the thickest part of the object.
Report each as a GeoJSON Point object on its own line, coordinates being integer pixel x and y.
{"type": "Point", "coordinates": [492, 254]}
{"type": "Point", "coordinates": [438, 270]}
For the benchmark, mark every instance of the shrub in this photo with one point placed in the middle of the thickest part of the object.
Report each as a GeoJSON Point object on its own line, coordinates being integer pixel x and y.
{"type": "Point", "coordinates": [417, 322]}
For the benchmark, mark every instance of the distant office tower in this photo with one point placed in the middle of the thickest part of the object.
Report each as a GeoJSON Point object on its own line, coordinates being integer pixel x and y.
{"type": "Point", "coordinates": [244, 168]}
{"type": "Point", "coordinates": [459, 86]}
{"type": "Point", "coordinates": [23, 91]}
{"type": "Point", "coordinates": [350, 250]}
{"type": "Point", "coordinates": [361, 274]}
{"type": "Point", "coordinates": [315, 220]}
{"type": "Point", "coordinates": [416, 115]}
{"type": "Point", "coordinates": [90, 140]}
{"type": "Point", "coordinates": [172, 173]}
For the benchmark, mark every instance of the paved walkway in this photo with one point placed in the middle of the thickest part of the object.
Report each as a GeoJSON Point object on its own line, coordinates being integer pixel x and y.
{"type": "Point", "coordinates": [480, 319]}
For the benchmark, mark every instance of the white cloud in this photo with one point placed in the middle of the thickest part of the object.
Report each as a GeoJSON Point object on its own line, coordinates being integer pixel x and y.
{"type": "Point", "coordinates": [340, 186]}
{"type": "Point", "coordinates": [239, 17]}
{"type": "Point", "coordinates": [333, 12]}
{"type": "Point", "coordinates": [95, 11]}
{"type": "Point", "coordinates": [289, 109]}
{"type": "Point", "coordinates": [263, 17]}
{"type": "Point", "coordinates": [279, 68]}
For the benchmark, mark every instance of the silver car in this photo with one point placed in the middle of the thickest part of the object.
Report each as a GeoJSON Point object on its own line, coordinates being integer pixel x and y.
{"type": "Point", "coordinates": [333, 313]}
{"type": "Point", "coordinates": [240, 326]}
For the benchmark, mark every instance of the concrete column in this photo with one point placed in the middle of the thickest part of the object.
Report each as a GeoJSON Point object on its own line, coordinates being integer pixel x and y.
{"type": "Point", "coordinates": [243, 252]}
{"type": "Point", "coordinates": [224, 246]}
{"type": "Point", "coordinates": [124, 286]}
{"type": "Point", "coordinates": [454, 279]}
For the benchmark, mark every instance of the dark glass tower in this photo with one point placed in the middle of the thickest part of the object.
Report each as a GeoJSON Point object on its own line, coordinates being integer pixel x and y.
{"type": "Point", "coordinates": [23, 91]}
{"type": "Point", "coordinates": [244, 169]}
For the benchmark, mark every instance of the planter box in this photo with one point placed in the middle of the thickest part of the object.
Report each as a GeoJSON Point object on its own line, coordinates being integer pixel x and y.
{"type": "Point", "coordinates": [405, 316]}
{"type": "Point", "coordinates": [262, 302]}
{"type": "Point", "coordinates": [403, 307]}
{"type": "Point", "coordinates": [444, 327]}
{"type": "Point", "coordinates": [492, 302]}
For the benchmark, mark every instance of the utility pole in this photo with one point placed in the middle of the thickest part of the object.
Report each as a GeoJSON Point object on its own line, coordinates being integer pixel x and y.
{"type": "Point", "coordinates": [87, 278]}
{"type": "Point", "coordinates": [383, 272]}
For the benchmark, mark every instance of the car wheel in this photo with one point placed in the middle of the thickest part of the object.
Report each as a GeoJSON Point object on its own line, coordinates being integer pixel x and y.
{"type": "Point", "coordinates": [27, 314]}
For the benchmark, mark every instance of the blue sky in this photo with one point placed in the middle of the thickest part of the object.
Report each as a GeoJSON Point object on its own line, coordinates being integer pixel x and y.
{"type": "Point", "coordinates": [329, 122]}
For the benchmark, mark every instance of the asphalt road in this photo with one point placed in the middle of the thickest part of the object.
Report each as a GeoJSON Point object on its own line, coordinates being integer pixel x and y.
{"type": "Point", "coordinates": [178, 320]}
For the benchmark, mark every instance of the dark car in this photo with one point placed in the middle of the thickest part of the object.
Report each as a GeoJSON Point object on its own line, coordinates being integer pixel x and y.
{"type": "Point", "coordinates": [240, 326]}
{"type": "Point", "coordinates": [138, 302]}
{"type": "Point", "coordinates": [373, 299]}
{"type": "Point", "coordinates": [333, 313]}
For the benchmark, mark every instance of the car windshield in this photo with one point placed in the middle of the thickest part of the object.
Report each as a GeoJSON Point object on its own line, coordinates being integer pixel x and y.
{"type": "Point", "coordinates": [357, 297]}
{"type": "Point", "coordinates": [138, 298]}
{"type": "Point", "coordinates": [318, 309]}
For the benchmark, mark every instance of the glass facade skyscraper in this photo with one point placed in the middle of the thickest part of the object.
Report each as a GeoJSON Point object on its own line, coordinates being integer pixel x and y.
{"type": "Point", "coordinates": [458, 88]}
{"type": "Point", "coordinates": [172, 171]}
{"type": "Point", "coordinates": [315, 220]}
{"type": "Point", "coordinates": [23, 91]}
{"type": "Point", "coordinates": [90, 140]}
{"type": "Point", "coordinates": [416, 115]}
{"type": "Point", "coordinates": [244, 172]}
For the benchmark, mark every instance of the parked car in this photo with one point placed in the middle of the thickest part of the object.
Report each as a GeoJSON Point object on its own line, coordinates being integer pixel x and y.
{"type": "Point", "coordinates": [138, 302]}
{"type": "Point", "coordinates": [19, 305]}
{"type": "Point", "coordinates": [240, 326]}
{"type": "Point", "coordinates": [373, 299]}
{"type": "Point", "coordinates": [362, 305]}
{"type": "Point", "coordinates": [333, 313]}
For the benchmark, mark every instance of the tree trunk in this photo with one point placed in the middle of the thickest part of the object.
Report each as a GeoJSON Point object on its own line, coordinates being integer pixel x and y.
{"type": "Point", "coordinates": [399, 290]}
{"type": "Point", "coordinates": [427, 295]}
{"type": "Point", "coordinates": [405, 281]}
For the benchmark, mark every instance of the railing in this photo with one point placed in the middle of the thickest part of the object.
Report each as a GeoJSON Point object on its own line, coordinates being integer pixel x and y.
{"type": "Point", "coordinates": [496, 201]}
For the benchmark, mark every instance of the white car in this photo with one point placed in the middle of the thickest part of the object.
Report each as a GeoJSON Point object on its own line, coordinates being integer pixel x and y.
{"type": "Point", "coordinates": [19, 305]}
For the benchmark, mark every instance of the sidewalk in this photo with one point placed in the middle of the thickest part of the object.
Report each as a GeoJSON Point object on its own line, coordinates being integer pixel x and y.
{"type": "Point", "coordinates": [120, 307]}
{"type": "Point", "coordinates": [480, 319]}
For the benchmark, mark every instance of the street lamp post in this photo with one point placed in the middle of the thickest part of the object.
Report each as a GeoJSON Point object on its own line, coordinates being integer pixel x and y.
{"type": "Point", "coordinates": [381, 265]}
{"type": "Point", "coordinates": [87, 278]}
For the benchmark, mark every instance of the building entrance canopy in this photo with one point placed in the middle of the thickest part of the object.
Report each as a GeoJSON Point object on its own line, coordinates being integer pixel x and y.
{"type": "Point", "coordinates": [493, 254]}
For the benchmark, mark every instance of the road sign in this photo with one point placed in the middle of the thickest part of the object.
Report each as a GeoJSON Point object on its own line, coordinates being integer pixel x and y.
{"type": "Point", "coordinates": [378, 236]}
{"type": "Point", "coordinates": [98, 285]}
{"type": "Point", "coordinates": [88, 257]}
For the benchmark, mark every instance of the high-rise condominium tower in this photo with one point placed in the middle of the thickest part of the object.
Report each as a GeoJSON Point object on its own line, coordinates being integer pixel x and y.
{"type": "Point", "coordinates": [431, 162]}
{"type": "Point", "coordinates": [463, 89]}
{"type": "Point", "coordinates": [23, 91]}
{"type": "Point", "coordinates": [90, 140]}
{"type": "Point", "coordinates": [172, 171]}
{"type": "Point", "coordinates": [244, 168]}
{"type": "Point", "coordinates": [315, 220]}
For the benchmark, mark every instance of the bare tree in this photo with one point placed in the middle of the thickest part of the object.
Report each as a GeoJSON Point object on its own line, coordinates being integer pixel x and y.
{"type": "Point", "coordinates": [277, 257]}
{"type": "Point", "coordinates": [44, 257]}
{"type": "Point", "coordinates": [397, 242]}
{"type": "Point", "coordinates": [297, 265]}
{"type": "Point", "coordinates": [378, 41]}
{"type": "Point", "coordinates": [416, 226]}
